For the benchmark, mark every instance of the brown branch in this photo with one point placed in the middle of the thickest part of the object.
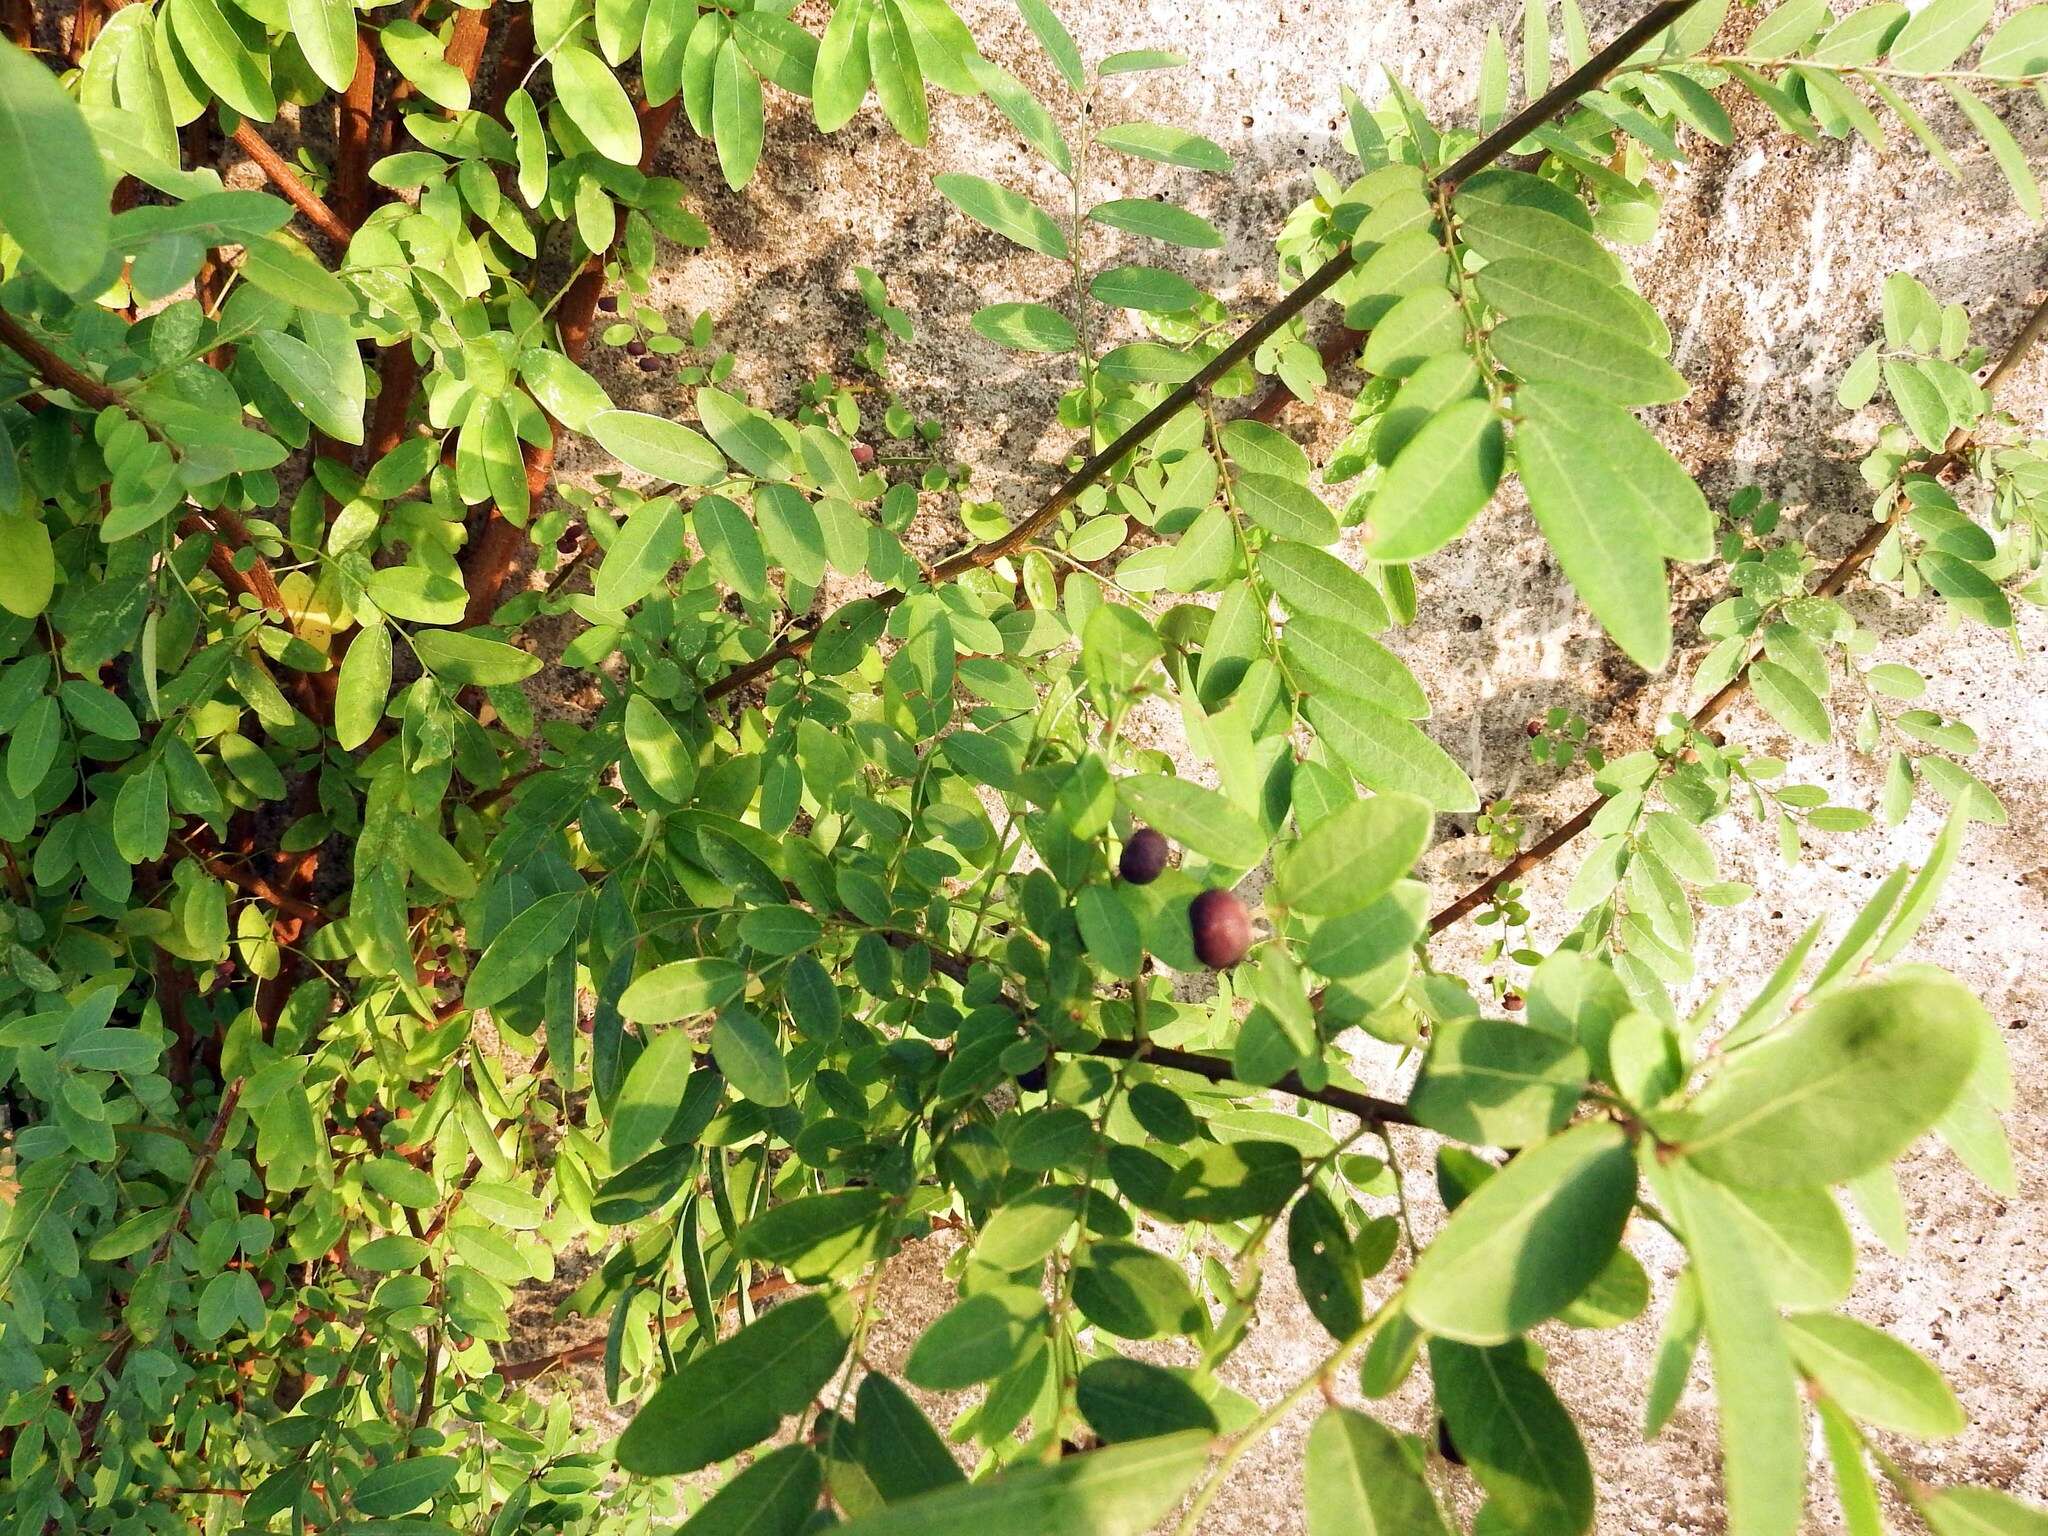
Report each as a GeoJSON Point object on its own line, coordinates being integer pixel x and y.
{"type": "Point", "coordinates": [286, 180]}
{"type": "Point", "coordinates": [248, 881]}
{"type": "Point", "coordinates": [489, 561]}
{"type": "Point", "coordinates": [352, 137]}
{"type": "Point", "coordinates": [52, 369]}
{"type": "Point", "coordinates": [1836, 579]}
{"type": "Point", "coordinates": [398, 377]}
{"type": "Point", "coordinates": [1314, 286]}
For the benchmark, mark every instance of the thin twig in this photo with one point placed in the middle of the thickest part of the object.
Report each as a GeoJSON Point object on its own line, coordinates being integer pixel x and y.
{"type": "Point", "coordinates": [1484, 153]}
{"type": "Point", "coordinates": [1836, 579]}
{"type": "Point", "coordinates": [286, 180]}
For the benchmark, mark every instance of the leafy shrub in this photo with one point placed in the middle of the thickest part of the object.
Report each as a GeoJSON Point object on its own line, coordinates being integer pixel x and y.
{"type": "Point", "coordinates": [342, 992]}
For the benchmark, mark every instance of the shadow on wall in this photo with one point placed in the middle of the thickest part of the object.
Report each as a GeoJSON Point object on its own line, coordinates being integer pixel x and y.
{"type": "Point", "coordinates": [1767, 266]}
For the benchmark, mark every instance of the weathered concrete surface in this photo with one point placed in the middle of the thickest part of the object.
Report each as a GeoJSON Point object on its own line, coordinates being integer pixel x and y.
{"type": "Point", "coordinates": [1767, 267]}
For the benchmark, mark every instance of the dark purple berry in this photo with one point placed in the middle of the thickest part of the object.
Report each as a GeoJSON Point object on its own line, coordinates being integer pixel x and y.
{"type": "Point", "coordinates": [609, 304]}
{"type": "Point", "coordinates": [1144, 856]}
{"type": "Point", "coordinates": [1032, 1079]}
{"type": "Point", "coordinates": [636, 348]}
{"type": "Point", "coordinates": [650, 364]}
{"type": "Point", "coordinates": [1222, 928]}
{"type": "Point", "coordinates": [571, 539]}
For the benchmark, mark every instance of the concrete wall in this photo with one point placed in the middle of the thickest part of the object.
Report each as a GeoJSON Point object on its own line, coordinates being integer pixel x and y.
{"type": "Point", "coordinates": [1767, 267]}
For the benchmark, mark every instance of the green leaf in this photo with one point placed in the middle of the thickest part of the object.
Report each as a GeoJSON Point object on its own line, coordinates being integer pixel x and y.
{"type": "Point", "coordinates": [1763, 1443]}
{"type": "Point", "coordinates": [1196, 817]}
{"type": "Point", "coordinates": [1363, 1480]}
{"type": "Point", "coordinates": [753, 441]}
{"type": "Point", "coordinates": [2019, 46]}
{"type": "Point", "coordinates": [1324, 1257]}
{"type": "Point", "coordinates": [736, 1394]}
{"type": "Point", "coordinates": [899, 83]}
{"type": "Point", "coordinates": [1514, 1436]}
{"type": "Point", "coordinates": [668, 450]}
{"type": "Point", "coordinates": [736, 116]}
{"type": "Point", "coordinates": [1121, 1490]}
{"type": "Point", "coordinates": [1130, 1291]}
{"type": "Point", "coordinates": [320, 386]}
{"type": "Point", "coordinates": [750, 1056]}
{"type": "Point", "coordinates": [1528, 1240]}
{"type": "Point", "coordinates": [1109, 931]}
{"type": "Point", "coordinates": [230, 69]}
{"type": "Point", "coordinates": [817, 1236]}
{"type": "Point", "coordinates": [1026, 327]}
{"type": "Point", "coordinates": [1008, 213]}
{"type": "Point", "coordinates": [53, 187]}
{"type": "Point", "coordinates": [976, 1340]}
{"type": "Point", "coordinates": [2005, 149]}
{"type": "Point", "coordinates": [400, 1487]}
{"type": "Point", "coordinates": [1340, 657]}
{"type": "Point", "coordinates": [1799, 1243]}
{"type": "Point", "coordinates": [1166, 144]}
{"type": "Point", "coordinates": [1793, 1108]}
{"type": "Point", "coordinates": [1313, 581]}
{"type": "Point", "coordinates": [522, 949]}
{"type": "Point", "coordinates": [683, 989]}
{"type": "Point", "coordinates": [1980, 1512]}
{"type": "Point", "coordinates": [1574, 351]}
{"type": "Point", "coordinates": [839, 82]}
{"type": "Point", "coordinates": [1143, 287]}
{"type": "Point", "coordinates": [364, 687]}
{"type": "Point", "coordinates": [1285, 508]}
{"type": "Point", "coordinates": [1025, 113]}
{"type": "Point", "coordinates": [1922, 405]}
{"type": "Point", "coordinates": [901, 1452]}
{"type": "Point", "coordinates": [783, 930]}
{"type": "Point", "coordinates": [1497, 1084]}
{"type": "Point", "coordinates": [650, 1097]}
{"type": "Point", "coordinates": [1390, 755]}
{"type": "Point", "coordinates": [1057, 42]}
{"type": "Point", "coordinates": [1350, 859]}
{"type": "Point", "coordinates": [465, 659]}
{"type": "Point", "coordinates": [644, 551]}
{"type": "Point", "coordinates": [1128, 1400]}
{"type": "Point", "coordinates": [562, 389]}
{"type": "Point", "coordinates": [1021, 1233]}
{"type": "Point", "coordinates": [1790, 702]}
{"type": "Point", "coordinates": [732, 545]}
{"type": "Point", "coordinates": [597, 104]}
{"type": "Point", "coordinates": [1234, 1181]}
{"type": "Point", "coordinates": [1419, 327]}
{"type": "Point", "coordinates": [664, 759]}
{"type": "Point", "coordinates": [1874, 1377]}
{"type": "Point", "coordinates": [325, 31]}
{"type": "Point", "coordinates": [1437, 483]}
{"type": "Point", "coordinates": [1581, 505]}
{"type": "Point", "coordinates": [1158, 221]}
{"type": "Point", "coordinates": [774, 1496]}
{"type": "Point", "coordinates": [1938, 34]}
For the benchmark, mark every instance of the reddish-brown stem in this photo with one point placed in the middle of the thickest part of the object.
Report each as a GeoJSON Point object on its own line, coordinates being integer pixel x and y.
{"type": "Point", "coordinates": [398, 376]}
{"type": "Point", "coordinates": [51, 368]}
{"type": "Point", "coordinates": [515, 58]}
{"type": "Point", "coordinates": [87, 17]}
{"type": "Point", "coordinates": [286, 180]}
{"type": "Point", "coordinates": [490, 560]}
{"type": "Point", "coordinates": [1838, 577]}
{"type": "Point", "coordinates": [352, 138]}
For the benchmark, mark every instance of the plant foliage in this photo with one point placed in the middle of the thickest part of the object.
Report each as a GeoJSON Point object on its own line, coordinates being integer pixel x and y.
{"type": "Point", "coordinates": [347, 992]}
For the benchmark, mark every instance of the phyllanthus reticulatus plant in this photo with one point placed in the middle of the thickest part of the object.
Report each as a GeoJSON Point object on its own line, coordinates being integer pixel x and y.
{"type": "Point", "coordinates": [343, 995]}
